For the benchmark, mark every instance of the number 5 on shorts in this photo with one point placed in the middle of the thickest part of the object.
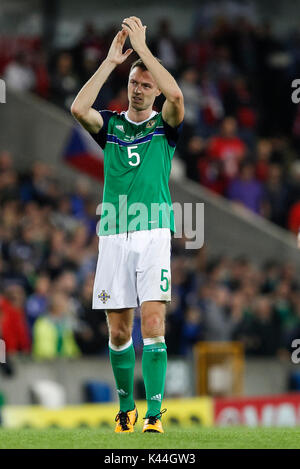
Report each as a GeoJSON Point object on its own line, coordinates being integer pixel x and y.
{"type": "Point", "coordinates": [164, 278]}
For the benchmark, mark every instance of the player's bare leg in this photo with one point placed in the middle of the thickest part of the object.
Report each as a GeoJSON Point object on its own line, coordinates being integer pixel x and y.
{"type": "Point", "coordinates": [153, 319]}
{"type": "Point", "coordinates": [119, 324]}
{"type": "Point", "coordinates": [154, 361]}
{"type": "Point", "coordinates": [122, 357]}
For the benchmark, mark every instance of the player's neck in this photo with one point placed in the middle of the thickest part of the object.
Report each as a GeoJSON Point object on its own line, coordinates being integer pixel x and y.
{"type": "Point", "coordinates": [139, 116]}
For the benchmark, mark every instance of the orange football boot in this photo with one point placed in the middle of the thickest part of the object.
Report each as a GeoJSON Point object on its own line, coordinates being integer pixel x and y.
{"type": "Point", "coordinates": [126, 421]}
{"type": "Point", "coordinates": [153, 423]}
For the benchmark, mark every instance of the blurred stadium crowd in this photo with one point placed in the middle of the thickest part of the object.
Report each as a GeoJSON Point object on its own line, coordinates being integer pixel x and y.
{"type": "Point", "coordinates": [48, 254]}
{"type": "Point", "coordinates": [242, 131]}
{"type": "Point", "coordinates": [241, 140]}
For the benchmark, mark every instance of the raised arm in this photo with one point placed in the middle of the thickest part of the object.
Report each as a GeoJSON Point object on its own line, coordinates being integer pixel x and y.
{"type": "Point", "coordinates": [173, 108]}
{"type": "Point", "coordinates": [81, 108]}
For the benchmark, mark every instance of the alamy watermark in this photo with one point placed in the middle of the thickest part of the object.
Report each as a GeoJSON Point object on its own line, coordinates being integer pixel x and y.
{"type": "Point", "coordinates": [2, 351]}
{"type": "Point", "coordinates": [189, 218]}
{"type": "Point", "coordinates": [2, 91]}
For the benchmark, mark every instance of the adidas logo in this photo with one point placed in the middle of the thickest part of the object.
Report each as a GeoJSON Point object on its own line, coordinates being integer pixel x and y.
{"type": "Point", "coordinates": [122, 392]}
{"type": "Point", "coordinates": [157, 397]}
{"type": "Point", "coordinates": [120, 127]}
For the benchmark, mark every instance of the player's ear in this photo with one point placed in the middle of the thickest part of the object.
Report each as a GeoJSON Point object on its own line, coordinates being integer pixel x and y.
{"type": "Point", "coordinates": [158, 92]}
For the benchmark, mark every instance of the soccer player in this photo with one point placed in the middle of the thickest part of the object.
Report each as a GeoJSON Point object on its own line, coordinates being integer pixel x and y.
{"type": "Point", "coordinates": [134, 251]}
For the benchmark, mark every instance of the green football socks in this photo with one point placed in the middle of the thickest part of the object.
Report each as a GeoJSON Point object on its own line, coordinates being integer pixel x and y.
{"type": "Point", "coordinates": [123, 361]}
{"type": "Point", "coordinates": [154, 367]}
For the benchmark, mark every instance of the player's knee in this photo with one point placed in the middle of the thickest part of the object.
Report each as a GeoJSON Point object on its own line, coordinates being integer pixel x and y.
{"type": "Point", "coordinates": [153, 325]}
{"type": "Point", "coordinates": [119, 335]}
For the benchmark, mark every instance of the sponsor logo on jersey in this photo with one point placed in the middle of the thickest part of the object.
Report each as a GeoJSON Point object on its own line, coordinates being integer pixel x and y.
{"type": "Point", "coordinates": [104, 296]}
{"type": "Point", "coordinates": [129, 137]}
{"type": "Point", "coordinates": [120, 127]}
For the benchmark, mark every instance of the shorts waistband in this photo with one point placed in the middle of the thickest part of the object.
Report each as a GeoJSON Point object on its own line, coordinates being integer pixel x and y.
{"type": "Point", "coordinates": [155, 233]}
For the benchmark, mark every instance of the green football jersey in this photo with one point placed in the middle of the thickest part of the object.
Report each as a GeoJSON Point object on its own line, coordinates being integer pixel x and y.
{"type": "Point", "coordinates": [137, 166]}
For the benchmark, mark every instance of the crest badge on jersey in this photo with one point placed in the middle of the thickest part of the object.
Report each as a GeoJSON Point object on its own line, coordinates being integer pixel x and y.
{"type": "Point", "coordinates": [150, 124]}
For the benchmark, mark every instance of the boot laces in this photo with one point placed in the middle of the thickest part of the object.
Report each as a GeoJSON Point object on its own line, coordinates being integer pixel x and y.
{"type": "Point", "coordinates": [152, 419]}
{"type": "Point", "coordinates": [123, 418]}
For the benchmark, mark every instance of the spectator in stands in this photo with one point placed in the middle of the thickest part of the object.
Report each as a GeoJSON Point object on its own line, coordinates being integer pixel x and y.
{"type": "Point", "coordinates": [165, 46]}
{"type": "Point", "coordinates": [56, 255]}
{"type": "Point", "coordinates": [9, 189]}
{"type": "Point", "coordinates": [227, 148]}
{"type": "Point", "coordinates": [271, 277]}
{"type": "Point", "coordinates": [77, 244]}
{"type": "Point", "coordinates": [260, 332]}
{"type": "Point", "coordinates": [218, 324]}
{"type": "Point", "coordinates": [37, 185]}
{"type": "Point", "coordinates": [91, 331]}
{"type": "Point", "coordinates": [12, 320]}
{"type": "Point", "coordinates": [198, 49]}
{"type": "Point", "coordinates": [79, 197]}
{"type": "Point", "coordinates": [37, 303]}
{"type": "Point", "coordinates": [19, 74]}
{"type": "Point", "coordinates": [239, 309]}
{"type": "Point", "coordinates": [246, 190]}
{"type": "Point", "coordinates": [42, 76]}
{"type": "Point", "coordinates": [89, 50]}
{"type": "Point", "coordinates": [193, 152]}
{"type": "Point", "coordinates": [212, 109]}
{"type": "Point", "coordinates": [283, 306]}
{"type": "Point", "coordinates": [263, 158]}
{"type": "Point", "coordinates": [192, 329]}
{"type": "Point", "coordinates": [66, 283]}
{"type": "Point", "coordinates": [238, 102]}
{"type": "Point", "coordinates": [120, 103]}
{"type": "Point", "coordinates": [191, 90]}
{"type": "Point", "coordinates": [294, 182]}
{"type": "Point", "coordinates": [276, 195]}
{"type": "Point", "coordinates": [6, 161]}
{"type": "Point", "coordinates": [9, 221]}
{"type": "Point", "coordinates": [62, 216]}
{"type": "Point", "coordinates": [238, 271]}
{"type": "Point", "coordinates": [210, 173]}
{"type": "Point", "coordinates": [64, 81]}
{"type": "Point", "coordinates": [292, 332]}
{"type": "Point", "coordinates": [175, 310]}
{"type": "Point", "coordinates": [294, 217]}
{"type": "Point", "coordinates": [222, 68]}
{"type": "Point", "coordinates": [90, 62]}
{"type": "Point", "coordinates": [53, 333]}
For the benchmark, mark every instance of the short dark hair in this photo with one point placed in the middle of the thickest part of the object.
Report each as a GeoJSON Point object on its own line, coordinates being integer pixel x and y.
{"type": "Point", "coordinates": [140, 63]}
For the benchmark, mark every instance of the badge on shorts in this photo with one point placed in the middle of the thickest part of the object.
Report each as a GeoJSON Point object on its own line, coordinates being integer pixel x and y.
{"type": "Point", "coordinates": [104, 296]}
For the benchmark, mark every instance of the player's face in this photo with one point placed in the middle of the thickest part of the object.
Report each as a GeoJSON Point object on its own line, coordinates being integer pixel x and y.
{"type": "Point", "coordinates": [142, 89]}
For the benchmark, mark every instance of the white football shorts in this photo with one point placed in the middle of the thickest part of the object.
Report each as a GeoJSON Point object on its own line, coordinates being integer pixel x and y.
{"type": "Point", "coordinates": [132, 268]}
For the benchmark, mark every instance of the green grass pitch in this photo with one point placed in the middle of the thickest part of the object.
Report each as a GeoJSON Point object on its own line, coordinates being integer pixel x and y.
{"type": "Point", "coordinates": [173, 438]}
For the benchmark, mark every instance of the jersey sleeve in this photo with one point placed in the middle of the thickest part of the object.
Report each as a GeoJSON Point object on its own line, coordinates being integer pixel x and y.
{"type": "Point", "coordinates": [101, 136]}
{"type": "Point", "coordinates": [172, 133]}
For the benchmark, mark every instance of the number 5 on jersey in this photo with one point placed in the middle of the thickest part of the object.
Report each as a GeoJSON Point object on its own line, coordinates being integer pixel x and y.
{"type": "Point", "coordinates": [136, 157]}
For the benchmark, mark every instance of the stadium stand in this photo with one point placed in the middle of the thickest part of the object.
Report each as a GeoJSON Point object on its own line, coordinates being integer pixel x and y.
{"type": "Point", "coordinates": [240, 142]}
